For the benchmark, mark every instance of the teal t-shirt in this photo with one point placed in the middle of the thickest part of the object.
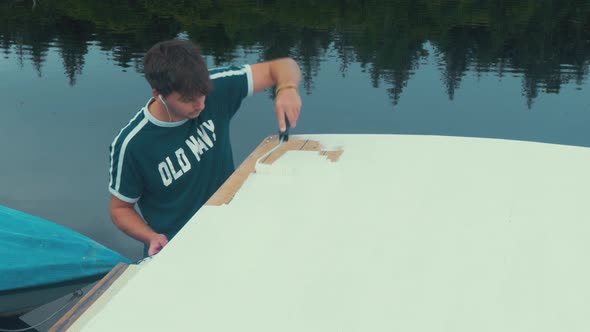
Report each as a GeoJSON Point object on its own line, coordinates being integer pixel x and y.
{"type": "Point", "coordinates": [171, 169]}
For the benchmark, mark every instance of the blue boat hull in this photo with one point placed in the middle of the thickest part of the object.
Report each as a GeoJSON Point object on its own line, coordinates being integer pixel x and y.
{"type": "Point", "coordinates": [41, 261]}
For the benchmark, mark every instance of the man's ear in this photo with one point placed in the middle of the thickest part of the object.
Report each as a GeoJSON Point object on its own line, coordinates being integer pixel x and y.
{"type": "Point", "coordinates": [155, 94]}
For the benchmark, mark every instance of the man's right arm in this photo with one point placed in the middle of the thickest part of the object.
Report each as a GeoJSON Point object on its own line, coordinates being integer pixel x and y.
{"type": "Point", "coordinates": [130, 222]}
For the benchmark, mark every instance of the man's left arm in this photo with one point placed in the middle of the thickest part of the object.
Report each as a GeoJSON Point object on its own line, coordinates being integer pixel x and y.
{"type": "Point", "coordinates": [285, 74]}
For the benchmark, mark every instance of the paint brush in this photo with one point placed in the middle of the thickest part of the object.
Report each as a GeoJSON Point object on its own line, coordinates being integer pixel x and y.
{"type": "Point", "coordinates": [284, 135]}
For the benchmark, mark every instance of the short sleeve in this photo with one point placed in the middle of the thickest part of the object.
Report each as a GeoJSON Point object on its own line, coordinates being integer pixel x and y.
{"type": "Point", "coordinates": [125, 181]}
{"type": "Point", "coordinates": [232, 85]}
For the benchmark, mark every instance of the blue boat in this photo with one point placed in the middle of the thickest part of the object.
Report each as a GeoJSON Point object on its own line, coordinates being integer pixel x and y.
{"type": "Point", "coordinates": [41, 261]}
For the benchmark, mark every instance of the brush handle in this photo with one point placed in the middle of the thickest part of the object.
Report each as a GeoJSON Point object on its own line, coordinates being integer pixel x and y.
{"type": "Point", "coordinates": [284, 135]}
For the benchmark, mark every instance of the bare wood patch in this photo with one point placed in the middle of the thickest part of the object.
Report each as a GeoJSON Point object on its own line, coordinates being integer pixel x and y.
{"type": "Point", "coordinates": [286, 146]}
{"type": "Point", "coordinates": [334, 155]}
{"type": "Point", "coordinates": [228, 190]}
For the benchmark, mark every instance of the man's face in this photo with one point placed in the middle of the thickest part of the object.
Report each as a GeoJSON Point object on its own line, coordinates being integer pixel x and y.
{"type": "Point", "coordinates": [181, 108]}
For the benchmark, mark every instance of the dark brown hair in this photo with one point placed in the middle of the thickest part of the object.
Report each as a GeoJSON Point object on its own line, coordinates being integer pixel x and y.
{"type": "Point", "coordinates": [177, 65]}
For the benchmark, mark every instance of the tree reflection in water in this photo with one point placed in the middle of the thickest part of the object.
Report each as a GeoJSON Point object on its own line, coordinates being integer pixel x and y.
{"type": "Point", "coordinates": [547, 43]}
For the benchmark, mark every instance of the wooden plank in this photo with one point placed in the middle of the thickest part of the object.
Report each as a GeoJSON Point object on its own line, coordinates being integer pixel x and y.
{"type": "Point", "coordinates": [311, 146]}
{"type": "Point", "coordinates": [76, 311]}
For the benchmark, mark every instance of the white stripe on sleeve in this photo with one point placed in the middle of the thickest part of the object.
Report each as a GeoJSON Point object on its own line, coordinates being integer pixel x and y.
{"type": "Point", "coordinates": [250, 80]}
{"type": "Point", "coordinates": [115, 143]}
{"type": "Point", "coordinates": [135, 130]}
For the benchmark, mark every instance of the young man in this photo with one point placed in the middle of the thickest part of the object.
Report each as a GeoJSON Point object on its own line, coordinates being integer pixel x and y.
{"type": "Point", "coordinates": [175, 152]}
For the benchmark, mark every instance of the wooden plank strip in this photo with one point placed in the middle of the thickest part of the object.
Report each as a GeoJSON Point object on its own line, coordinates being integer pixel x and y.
{"type": "Point", "coordinates": [316, 146]}
{"type": "Point", "coordinates": [311, 146]}
{"type": "Point", "coordinates": [76, 311]}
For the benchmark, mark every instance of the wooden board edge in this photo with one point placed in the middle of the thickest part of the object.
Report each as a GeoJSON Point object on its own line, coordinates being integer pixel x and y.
{"type": "Point", "coordinates": [227, 191]}
{"type": "Point", "coordinates": [77, 310]}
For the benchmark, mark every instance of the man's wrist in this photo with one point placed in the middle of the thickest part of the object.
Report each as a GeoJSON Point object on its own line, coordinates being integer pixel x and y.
{"type": "Point", "coordinates": [150, 237]}
{"type": "Point", "coordinates": [286, 86]}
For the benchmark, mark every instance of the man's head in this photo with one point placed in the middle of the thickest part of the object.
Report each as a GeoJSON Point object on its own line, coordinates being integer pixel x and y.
{"type": "Point", "coordinates": [176, 70]}
{"type": "Point", "coordinates": [177, 66]}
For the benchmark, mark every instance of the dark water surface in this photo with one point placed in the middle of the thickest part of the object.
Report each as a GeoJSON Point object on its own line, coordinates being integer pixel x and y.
{"type": "Point", "coordinates": [71, 77]}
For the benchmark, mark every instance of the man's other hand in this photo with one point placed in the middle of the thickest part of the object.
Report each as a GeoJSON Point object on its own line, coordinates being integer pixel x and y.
{"type": "Point", "coordinates": [156, 244]}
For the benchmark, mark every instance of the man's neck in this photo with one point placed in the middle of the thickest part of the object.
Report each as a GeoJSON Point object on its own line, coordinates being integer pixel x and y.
{"type": "Point", "coordinates": [157, 110]}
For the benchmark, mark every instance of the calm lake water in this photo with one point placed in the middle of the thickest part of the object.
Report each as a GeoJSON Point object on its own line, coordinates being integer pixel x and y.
{"type": "Point", "coordinates": [71, 77]}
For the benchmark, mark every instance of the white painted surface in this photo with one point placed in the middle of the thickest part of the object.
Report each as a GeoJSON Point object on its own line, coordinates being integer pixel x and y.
{"type": "Point", "coordinates": [403, 233]}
